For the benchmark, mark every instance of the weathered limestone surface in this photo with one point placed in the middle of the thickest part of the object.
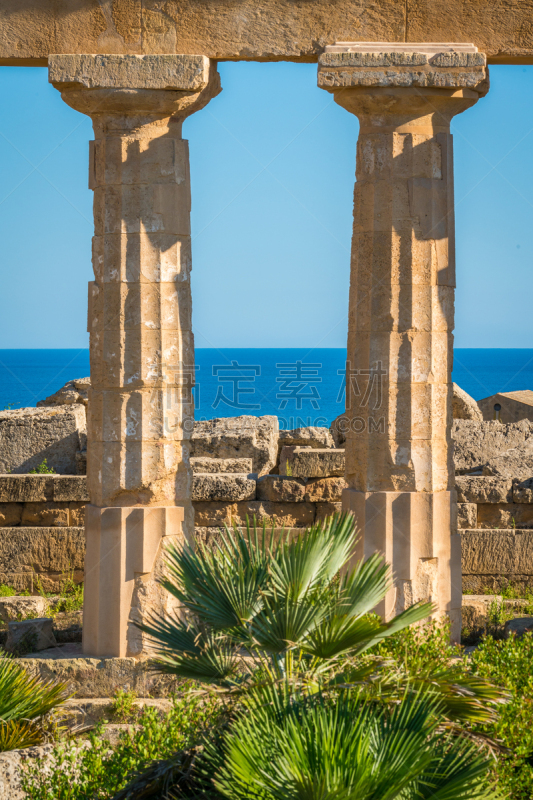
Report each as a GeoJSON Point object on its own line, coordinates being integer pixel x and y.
{"type": "Point", "coordinates": [17, 607]}
{"type": "Point", "coordinates": [141, 343]}
{"type": "Point", "coordinates": [222, 488]}
{"type": "Point", "coordinates": [288, 515]}
{"type": "Point", "coordinates": [281, 489]}
{"type": "Point", "coordinates": [516, 463]}
{"type": "Point", "coordinates": [467, 515]}
{"type": "Point", "coordinates": [497, 552]}
{"type": "Point", "coordinates": [339, 428]}
{"type": "Point", "coordinates": [277, 30]}
{"type": "Point", "coordinates": [505, 515]}
{"type": "Point", "coordinates": [75, 391]}
{"type": "Point", "coordinates": [29, 435]}
{"type": "Point", "coordinates": [97, 677]}
{"type": "Point", "coordinates": [42, 488]}
{"type": "Point", "coordinates": [474, 489]}
{"type": "Point", "coordinates": [522, 491]}
{"type": "Point", "coordinates": [306, 437]}
{"type": "Point", "coordinates": [477, 444]}
{"type": "Point", "coordinates": [398, 382]}
{"type": "Point", "coordinates": [11, 767]}
{"type": "Point", "coordinates": [464, 406]}
{"type": "Point", "coordinates": [47, 554]}
{"type": "Point", "coordinates": [205, 465]}
{"type": "Point", "coordinates": [325, 490]}
{"type": "Point", "coordinates": [301, 462]}
{"type": "Point", "coordinates": [326, 510]}
{"type": "Point", "coordinates": [239, 437]}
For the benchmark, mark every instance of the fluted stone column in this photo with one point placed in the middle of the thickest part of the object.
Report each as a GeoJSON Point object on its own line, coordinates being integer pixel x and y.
{"type": "Point", "coordinates": [399, 456]}
{"type": "Point", "coordinates": [141, 343]}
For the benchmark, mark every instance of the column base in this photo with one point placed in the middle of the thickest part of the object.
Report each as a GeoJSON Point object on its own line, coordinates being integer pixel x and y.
{"type": "Point", "coordinates": [122, 562]}
{"type": "Point", "coordinates": [416, 532]}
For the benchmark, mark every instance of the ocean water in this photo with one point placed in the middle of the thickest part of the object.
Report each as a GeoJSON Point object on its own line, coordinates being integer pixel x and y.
{"type": "Point", "coordinates": [302, 387]}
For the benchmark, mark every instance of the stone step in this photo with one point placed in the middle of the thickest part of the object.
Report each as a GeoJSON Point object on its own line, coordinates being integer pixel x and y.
{"type": "Point", "coordinates": [97, 677]}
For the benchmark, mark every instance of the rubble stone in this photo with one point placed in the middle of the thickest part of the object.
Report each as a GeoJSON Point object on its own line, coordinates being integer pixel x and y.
{"type": "Point", "coordinates": [464, 406]}
{"type": "Point", "coordinates": [73, 392]}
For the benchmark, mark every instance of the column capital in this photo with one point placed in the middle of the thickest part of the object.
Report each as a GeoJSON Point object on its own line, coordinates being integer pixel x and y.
{"type": "Point", "coordinates": [389, 85]}
{"type": "Point", "coordinates": [155, 85]}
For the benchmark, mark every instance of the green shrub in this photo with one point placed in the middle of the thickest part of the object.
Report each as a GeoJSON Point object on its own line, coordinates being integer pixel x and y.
{"type": "Point", "coordinates": [509, 663]}
{"type": "Point", "coordinates": [43, 469]}
{"type": "Point", "coordinates": [281, 746]}
{"type": "Point", "coordinates": [99, 771]}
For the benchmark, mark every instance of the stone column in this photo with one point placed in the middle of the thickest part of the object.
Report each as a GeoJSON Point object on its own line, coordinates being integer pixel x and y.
{"type": "Point", "coordinates": [399, 453]}
{"type": "Point", "coordinates": [140, 413]}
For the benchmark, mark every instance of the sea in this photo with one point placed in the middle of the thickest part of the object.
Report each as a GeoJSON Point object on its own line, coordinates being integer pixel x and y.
{"type": "Point", "coordinates": [302, 387]}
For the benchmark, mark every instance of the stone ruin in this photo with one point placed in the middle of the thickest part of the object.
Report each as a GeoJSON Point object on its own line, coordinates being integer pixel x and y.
{"type": "Point", "coordinates": [138, 69]}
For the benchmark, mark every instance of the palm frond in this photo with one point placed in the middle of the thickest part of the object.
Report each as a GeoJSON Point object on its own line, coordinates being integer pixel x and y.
{"type": "Point", "coordinates": [26, 697]}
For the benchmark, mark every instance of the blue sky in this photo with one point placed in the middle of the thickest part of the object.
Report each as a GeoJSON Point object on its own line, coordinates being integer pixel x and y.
{"type": "Point", "coordinates": [272, 164]}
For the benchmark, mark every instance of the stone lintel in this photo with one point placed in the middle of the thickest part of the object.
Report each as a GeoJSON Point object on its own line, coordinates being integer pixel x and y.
{"type": "Point", "coordinates": [188, 73]}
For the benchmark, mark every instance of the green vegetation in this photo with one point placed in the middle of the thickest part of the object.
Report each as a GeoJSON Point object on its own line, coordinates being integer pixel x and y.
{"type": "Point", "coordinates": [24, 704]}
{"type": "Point", "coordinates": [99, 771]}
{"type": "Point", "coordinates": [43, 469]}
{"type": "Point", "coordinates": [9, 591]}
{"type": "Point", "coordinates": [302, 693]}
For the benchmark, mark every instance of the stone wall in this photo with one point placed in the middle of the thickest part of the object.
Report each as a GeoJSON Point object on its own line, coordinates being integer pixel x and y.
{"type": "Point", "coordinates": [42, 539]}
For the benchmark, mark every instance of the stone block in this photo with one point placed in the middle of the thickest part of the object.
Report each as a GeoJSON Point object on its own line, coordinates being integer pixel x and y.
{"type": "Point", "coordinates": [238, 437]}
{"type": "Point", "coordinates": [477, 489]}
{"type": "Point", "coordinates": [161, 71]}
{"type": "Point", "coordinates": [301, 462]}
{"type": "Point", "coordinates": [522, 491]}
{"type": "Point", "coordinates": [504, 515]}
{"type": "Point", "coordinates": [30, 635]}
{"type": "Point", "coordinates": [18, 608]}
{"type": "Point", "coordinates": [209, 515]}
{"type": "Point", "coordinates": [478, 443]}
{"type": "Point", "coordinates": [222, 488]}
{"type": "Point", "coordinates": [281, 489]}
{"type": "Point", "coordinates": [204, 465]}
{"type": "Point", "coordinates": [326, 510]}
{"type": "Point", "coordinates": [466, 515]}
{"type": "Point", "coordinates": [325, 490]}
{"type": "Point", "coordinates": [506, 553]}
{"type": "Point", "coordinates": [49, 515]}
{"type": "Point", "coordinates": [464, 406]}
{"type": "Point", "coordinates": [10, 514]}
{"type": "Point", "coordinates": [26, 488]}
{"type": "Point", "coordinates": [289, 515]}
{"type": "Point", "coordinates": [97, 677]}
{"type": "Point", "coordinates": [70, 488]}
{"type": "Point", "coordinates": [30, 435]}
{"type": "Point", "coordinates": [49, 553]}
{"type": "Point", "coordinates": [319, 438]}
{"type": "Point", "coordinates": [518, 627]}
